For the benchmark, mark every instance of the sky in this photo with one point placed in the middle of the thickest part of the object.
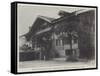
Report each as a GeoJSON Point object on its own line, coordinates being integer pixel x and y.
{"type": "Point", "coordinates": [27, 14]}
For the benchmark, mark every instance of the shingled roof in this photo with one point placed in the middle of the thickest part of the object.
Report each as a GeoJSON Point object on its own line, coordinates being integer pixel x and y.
{"type": "Point", "coordinates": [41, 19]}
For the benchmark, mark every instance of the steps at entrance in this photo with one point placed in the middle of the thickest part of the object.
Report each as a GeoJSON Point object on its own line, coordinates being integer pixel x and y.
{"type": "Point", "coordinates": [59, 59]}
{"type": "Point", "coordinates": [61, 52]}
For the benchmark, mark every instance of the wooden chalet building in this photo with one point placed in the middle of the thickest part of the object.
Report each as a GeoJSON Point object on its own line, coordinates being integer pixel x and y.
{"type": "Point", "coordinates": [71, 35]}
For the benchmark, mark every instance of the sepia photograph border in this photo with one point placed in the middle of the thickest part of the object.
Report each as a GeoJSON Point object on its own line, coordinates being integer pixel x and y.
{"type": "Point", "coordinates": [14, 36]}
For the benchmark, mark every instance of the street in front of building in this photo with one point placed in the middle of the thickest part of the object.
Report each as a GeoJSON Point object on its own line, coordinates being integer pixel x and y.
{"type": "Point", "coordinates": [55, 64]}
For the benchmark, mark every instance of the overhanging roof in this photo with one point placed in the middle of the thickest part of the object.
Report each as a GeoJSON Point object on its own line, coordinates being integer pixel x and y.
{"type": "Point", "coordinates": [48, 19]}
{"type": "Point", "coordinates": [41, 19]}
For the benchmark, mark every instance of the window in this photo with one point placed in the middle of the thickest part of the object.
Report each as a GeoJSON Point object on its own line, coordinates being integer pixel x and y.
{"type": "Point", "coordinates": [75, 40]}
{"type": "Point", "coordinates": [58, 42]}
